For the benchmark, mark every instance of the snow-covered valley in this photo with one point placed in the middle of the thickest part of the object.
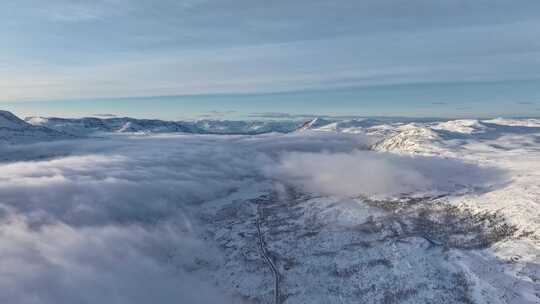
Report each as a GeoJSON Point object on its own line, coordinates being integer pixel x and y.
{"type": "Point", "coordinates": [323, 211]}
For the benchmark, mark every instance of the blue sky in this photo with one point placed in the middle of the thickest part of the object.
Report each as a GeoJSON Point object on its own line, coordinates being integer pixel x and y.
{"type": "Point", "coordinates": [236, 58]}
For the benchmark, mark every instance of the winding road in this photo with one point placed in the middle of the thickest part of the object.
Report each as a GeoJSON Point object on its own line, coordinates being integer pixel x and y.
{"type": "Point", "coordinates": [267, 258]}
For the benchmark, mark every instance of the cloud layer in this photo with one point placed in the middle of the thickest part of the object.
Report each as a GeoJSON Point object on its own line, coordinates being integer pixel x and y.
{"type": "Point", "coordinates": [364, 173]}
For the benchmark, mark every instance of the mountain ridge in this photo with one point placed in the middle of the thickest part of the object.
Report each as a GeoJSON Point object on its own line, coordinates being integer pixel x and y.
{"type": "Point", "coordinates": [14, 130]}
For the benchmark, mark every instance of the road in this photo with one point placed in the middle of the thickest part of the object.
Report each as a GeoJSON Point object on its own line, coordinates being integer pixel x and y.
{"type": "Point", "coordinates": [267, 258]}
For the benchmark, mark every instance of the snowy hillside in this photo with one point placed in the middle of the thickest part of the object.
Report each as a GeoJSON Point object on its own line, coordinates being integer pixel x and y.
{"type": "Point", "coordinates": [14, 130]}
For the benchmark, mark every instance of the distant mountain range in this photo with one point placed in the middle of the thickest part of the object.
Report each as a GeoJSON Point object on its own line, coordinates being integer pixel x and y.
{"type": "Point", "coordinates": [405, 135]}
{"type": "Point", "coordinates": [89, 125]}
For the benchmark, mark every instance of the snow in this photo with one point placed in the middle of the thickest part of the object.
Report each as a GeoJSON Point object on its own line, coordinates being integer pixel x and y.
{"type": "Point", "coordinates": [362, 210]}
{"type": "Point", "coordinates": [14, 130]}
{"type": "Point", "coordinates": [515, 122]}
{"type": "Point", "coordinates": [37, 121]}
{"type": "Point", "coordinates": [412, 138]}
{"type": "Point", "coordinates": [314, 124]}
{"type": "Point", "coordinates": [10, 121]}
{"type": "Point", "coordinates": [95, 126]}
{"type": "Point", "coordinates": [465, 126]}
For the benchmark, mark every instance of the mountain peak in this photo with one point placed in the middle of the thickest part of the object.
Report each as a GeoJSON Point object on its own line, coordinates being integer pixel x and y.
{"type": "Point", "coordinates": [8, 120]}
{"type": "Point", "coordinates": [15, 130]}
{"type": "Point", "coordinates": [314, 123]}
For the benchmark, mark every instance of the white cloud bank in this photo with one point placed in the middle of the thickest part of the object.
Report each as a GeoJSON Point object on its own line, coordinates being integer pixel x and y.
{"type": "Point", "coordinates": [114, 220]}
{"type": "Point", "coordinates": [379, 174]}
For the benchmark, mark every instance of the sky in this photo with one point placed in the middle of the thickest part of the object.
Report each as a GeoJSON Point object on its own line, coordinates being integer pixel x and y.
{"type": "Point", "coordinates": [241, 59]}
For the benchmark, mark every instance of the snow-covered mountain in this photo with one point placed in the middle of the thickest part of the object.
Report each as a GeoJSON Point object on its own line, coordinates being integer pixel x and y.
{"type": "Point", "coordinates": [430, 137]}
{"type": "Point", "coordinates": [464, 126]}
{"type": "Point", "coordinates": [314, 124]}
{"type": "Point", "coordinates": [88, 125]}
{"type": "Point", "coordinates": [14, 130]}
{"type": "Point", "coordinates": [241, 127]}
{"type": "Point", "coordinates": [412, 138]}
{"type": "Point", "coordinates": [347, 126]}
{"type": "Point", "coordinates": [400, 135]}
